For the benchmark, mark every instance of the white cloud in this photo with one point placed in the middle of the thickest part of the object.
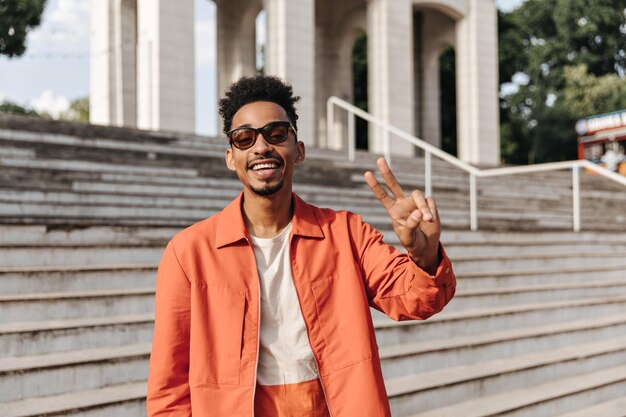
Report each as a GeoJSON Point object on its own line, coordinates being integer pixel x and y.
{"type": "Point", "coordinates": [65, 28]}
{"type": "Point", "coordinates": [51, 103]}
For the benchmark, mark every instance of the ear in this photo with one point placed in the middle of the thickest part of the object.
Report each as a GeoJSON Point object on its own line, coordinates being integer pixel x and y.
{"type": "Point", "coordinates": [230, 159]}
{"type": "Point", "coordinates": [300, 152]}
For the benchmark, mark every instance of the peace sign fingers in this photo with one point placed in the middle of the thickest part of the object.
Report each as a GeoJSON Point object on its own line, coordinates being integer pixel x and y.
{"type": "Point", "coordinates": [378, 191]}
{"type": "Point", "coordinates": [414, 217]}
{"type": "Point", "coordinates": [390, 181]}
{"type": "Point", "coordinates": [389, 178]}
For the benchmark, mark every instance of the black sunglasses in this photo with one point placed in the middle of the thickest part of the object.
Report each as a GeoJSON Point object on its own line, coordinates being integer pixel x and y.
{"type": "Point", "coordinates": [273, 132]}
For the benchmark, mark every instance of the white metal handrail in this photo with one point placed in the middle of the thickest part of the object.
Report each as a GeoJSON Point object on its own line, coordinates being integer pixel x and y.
{"type": "Point", "coordinates": [473, 172]}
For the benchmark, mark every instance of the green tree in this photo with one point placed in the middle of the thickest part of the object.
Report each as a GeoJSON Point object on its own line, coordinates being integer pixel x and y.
{"type": "Point", "coordinates": [14, 108]}
{"type": "Point", "coordinates": [17, 17]}
{"type": "Point", "coordinates": [78, 111]}
{"type": "Point", "coordinates": [584, 91]}
{"type": "Point", "coordinates": [541, 39]}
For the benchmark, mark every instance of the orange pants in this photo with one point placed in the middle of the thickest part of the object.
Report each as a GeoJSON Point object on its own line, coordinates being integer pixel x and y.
{"type": "Point", "coordinates": [304, 399]}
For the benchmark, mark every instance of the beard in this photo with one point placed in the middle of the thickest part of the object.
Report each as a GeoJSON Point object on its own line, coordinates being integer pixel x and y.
{"type": "Point", "coordinates": [272, 187]}
{"type": "Point", "coordinates": [268, 189]}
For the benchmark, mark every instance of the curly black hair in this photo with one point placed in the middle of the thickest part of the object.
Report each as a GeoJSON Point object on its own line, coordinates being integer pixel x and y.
{"type": "Point", "coordinates": [258, 88]}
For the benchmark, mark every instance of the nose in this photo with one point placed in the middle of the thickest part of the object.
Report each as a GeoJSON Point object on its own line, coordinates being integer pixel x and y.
{"type": "Point", "coordinates": [261, 146]}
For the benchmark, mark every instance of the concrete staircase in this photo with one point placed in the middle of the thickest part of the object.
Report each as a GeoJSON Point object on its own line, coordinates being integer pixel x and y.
{"type": "Point", "coordinates": [537, 328]}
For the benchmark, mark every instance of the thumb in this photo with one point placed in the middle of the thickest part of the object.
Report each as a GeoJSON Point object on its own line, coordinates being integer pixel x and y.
{"type": "Point", "coordinates": [408, 238]}
{"type": "Point", "coordinates": [413, 221]}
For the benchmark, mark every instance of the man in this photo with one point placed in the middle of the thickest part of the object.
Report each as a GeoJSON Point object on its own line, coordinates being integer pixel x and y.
{"type": "Point", "coordinates": [263, 309]}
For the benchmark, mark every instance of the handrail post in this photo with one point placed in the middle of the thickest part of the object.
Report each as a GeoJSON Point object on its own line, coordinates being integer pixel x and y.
{"type": "Point", "coordinates": [386, 144]}
{"type": "Point", "coordinates": [329, 122]}
{"type": "Point", "coordinates": [428, 187]}
{"type": "Point", "coordinates": [473, 205]}
{"type": "Point", "coordinates": [351, 136]}
{"type": "Point", "coordinates": [576, 197]}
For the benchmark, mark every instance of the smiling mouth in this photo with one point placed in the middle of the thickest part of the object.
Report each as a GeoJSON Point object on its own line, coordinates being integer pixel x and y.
{"type": "Point", "coordinates": [266, 165]}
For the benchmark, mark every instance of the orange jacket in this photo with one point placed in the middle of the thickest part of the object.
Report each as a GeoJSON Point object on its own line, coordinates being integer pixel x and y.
{"type": "Point", "coordinates": [206, 332]}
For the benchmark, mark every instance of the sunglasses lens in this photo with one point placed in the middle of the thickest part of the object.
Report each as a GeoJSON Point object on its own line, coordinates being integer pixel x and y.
{"type": "Point", "coordinates": [276, 133]}
{"type": "Point", "coordinates": [243, 138]}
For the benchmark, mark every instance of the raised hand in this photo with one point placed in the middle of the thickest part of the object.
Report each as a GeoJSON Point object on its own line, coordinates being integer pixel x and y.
{"type": "Point", "coordinates": [415, 218]}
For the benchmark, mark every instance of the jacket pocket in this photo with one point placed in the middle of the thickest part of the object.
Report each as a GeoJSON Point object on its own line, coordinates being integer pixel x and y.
{"type": "Point", "coordinates": [345, 320]}
{"type": "Point", "coordinates": [216, 335]}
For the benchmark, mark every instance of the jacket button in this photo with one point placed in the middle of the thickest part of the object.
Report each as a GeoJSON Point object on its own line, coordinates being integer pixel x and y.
{"type": "Point", "coordinates": [447, 270]}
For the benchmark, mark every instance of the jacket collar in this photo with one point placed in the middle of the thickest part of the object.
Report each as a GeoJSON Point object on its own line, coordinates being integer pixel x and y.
{"type": "Point", "coordinates": [231, 227]}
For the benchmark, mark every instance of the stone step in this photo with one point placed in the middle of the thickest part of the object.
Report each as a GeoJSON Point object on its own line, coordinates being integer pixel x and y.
{"type": "Point", "coordinates": [30, 376]}
{"type": "Point", "coordinates": [217, 151]}
{"type": "Point", "coordinates": [458, 249]}
{"type": "Point", "coordinates": [37, 280]}
{"type": "Point", "coordinates": [44, 279]}
{"type": "Point", "coordinates": [202, 187]}
{"type": "Point", "coordinates": [47, 336]}
{"type": "Point", "coordinates": [422, 355]}
{"type": "Point", "coordinates": [135, 194]}
{"type": "Point", "coordinates": [43, 234]}
{"type": "Point", "coordinates": [45, 361]}
{"type": "Point", "coordinates": [17, 152]}
{"type": "Point", "coordinates": [500, 295]}
{"type": "Point", "coordinates": [156, 216]}
{"type": "Point", "coordinates": [615, 407]}
{"type": "Point", "coordinates": [473, 263]}
{"type": "Point", "coordinates": [359, 190]}
{"type": "Point", "coordinates": [520, 277]}
{"type": "Point", "coordinates": [491, 319]}
{"type": "Point", "coordinates": [126, 399]}
{"type": "Point", "coordinates": [52, 139]}
{"type": "Point", "coordinates": [438, 388]}
{"type": "Point", "coordinates": [90, 214]}
{"type": "Point", "coordinates": [523, 186]}
{"type": "Point", "coordinates": [458, 237]}
{"type": "Point", "coordinates": [92, 166]}
{"type": "Point", "coordinates": [215, 200]}
{"type": "Point", "coordinates": [97, 255]}
{"type": "Point", "coordinates": [48, 306]}
{"type": "Point", "coordinates": [544, 399]}
{"type": "Point", "coordinates": [15, 255]}
{"type": "Point", "coordinates": [195, 197]}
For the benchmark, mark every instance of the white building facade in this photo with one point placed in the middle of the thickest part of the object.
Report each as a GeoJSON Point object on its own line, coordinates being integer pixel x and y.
{"type": "Point", "coordinates": [146, 79]}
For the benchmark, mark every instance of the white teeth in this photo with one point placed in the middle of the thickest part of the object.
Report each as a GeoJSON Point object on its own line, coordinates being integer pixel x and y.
{"type": "Point", "coordinates": [264, 166]}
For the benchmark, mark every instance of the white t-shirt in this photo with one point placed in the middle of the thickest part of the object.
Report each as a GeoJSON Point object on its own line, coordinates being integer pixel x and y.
{"type": "Point", "coordinates": [285, 355]}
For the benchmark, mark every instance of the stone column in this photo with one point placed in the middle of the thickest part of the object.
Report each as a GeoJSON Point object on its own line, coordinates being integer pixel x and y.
{"type": "Point", "coordinates": [166, 65]}
{"type": "Point", "coordinates": [126, 62]}
{"type": "Point", "coordinates": [236, 43]}
{"type": "Point", "coordinates": [113, 63]}
{"type": "Point", "coordinates": [290, 54]}
{"type": "Point", "coordinates": [437, 33]}
{"type": "Point", "coordinates": [390, 73]}
{"type": "Point", "coordinates": [477, 85]}
{"type": "Point", "coordinates": [101, 81]}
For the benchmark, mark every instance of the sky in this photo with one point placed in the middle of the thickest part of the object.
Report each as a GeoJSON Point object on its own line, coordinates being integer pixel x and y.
{"type": "Point", "coordinates": [55, 69]}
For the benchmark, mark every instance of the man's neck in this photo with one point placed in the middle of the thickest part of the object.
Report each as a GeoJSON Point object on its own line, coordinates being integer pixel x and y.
{"type": "Point", "coordinates": [267, 216]}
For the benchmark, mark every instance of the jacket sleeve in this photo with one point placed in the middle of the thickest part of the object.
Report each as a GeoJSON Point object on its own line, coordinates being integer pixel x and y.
{"type": "Point", "coordinates": [394, 284]}
{"type": "Point", "coordinates": [168, 386]}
